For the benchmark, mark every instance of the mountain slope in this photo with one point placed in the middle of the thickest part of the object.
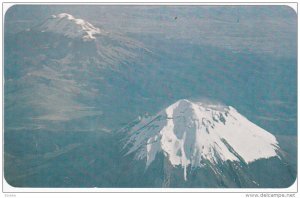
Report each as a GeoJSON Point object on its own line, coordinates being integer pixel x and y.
{"type": "Point", "coordinates": [189, 133]}
{"type": "Point", "coordinates": [64, 70]}
{"type": "Point", "coordinates": [202, 139]}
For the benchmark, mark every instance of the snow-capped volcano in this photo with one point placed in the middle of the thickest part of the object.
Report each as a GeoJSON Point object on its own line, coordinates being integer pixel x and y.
{"type": "Point", "coordinates": [69, 26]}
{"type": "Point", "coordinates": [190, 133]}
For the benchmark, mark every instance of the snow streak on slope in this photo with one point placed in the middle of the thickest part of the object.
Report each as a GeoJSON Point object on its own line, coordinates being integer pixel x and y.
{"type": "Point", "coordinates": [69, 26]}
{"type": "Point", "coordinates": [189, 133]}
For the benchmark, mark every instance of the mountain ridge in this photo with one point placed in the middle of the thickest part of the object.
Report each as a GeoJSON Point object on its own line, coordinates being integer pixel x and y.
{"type": "Point", "coordinates": [69, 26]}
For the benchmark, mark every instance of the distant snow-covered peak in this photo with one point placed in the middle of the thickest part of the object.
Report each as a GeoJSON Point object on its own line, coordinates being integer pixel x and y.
{"type": "Point", "coordinates": [191, 133]}
{"type": "Point", "coordinates": [69, 26]}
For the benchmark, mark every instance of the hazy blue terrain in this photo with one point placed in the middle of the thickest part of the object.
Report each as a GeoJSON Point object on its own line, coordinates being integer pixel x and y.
{"type": "Point", "coordinates": [65, 105]}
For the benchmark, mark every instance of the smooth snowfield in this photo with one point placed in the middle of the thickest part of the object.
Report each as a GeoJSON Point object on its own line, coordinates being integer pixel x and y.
{"type": "Point", "coordinates": [69, 26]}
{"type": "Point", "coordinates": [189, 133]}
